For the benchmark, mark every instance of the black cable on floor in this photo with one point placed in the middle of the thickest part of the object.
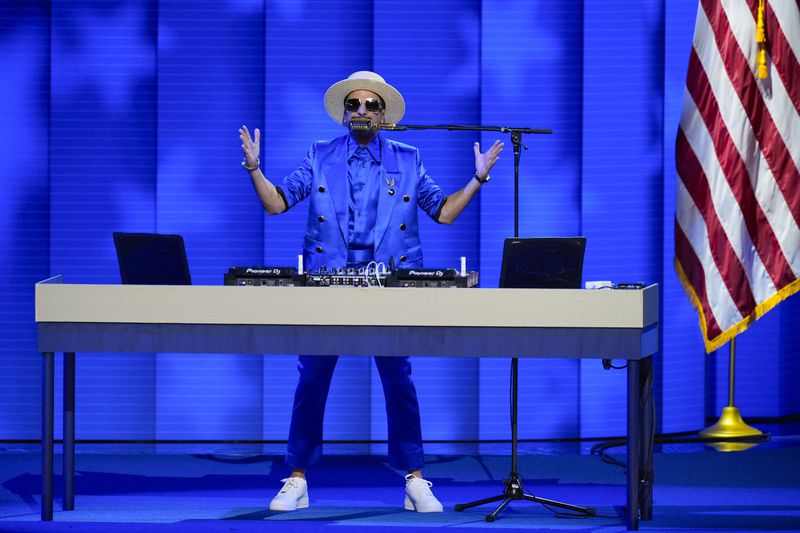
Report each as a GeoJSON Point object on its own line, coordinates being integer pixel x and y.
{"type": "Point", "coordinates": [601, 447]}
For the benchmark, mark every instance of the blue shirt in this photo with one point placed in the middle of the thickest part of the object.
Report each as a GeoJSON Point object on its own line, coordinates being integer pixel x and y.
{"type": "Point", "coordinates": [363, 173]}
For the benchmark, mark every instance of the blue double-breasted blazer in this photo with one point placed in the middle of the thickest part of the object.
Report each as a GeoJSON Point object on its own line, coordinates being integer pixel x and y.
{"type": "Point", "coordinates": [322, 177]}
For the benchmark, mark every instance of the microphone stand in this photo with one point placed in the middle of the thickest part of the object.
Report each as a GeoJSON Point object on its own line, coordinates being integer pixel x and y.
{"type": "Point", "coordinates": [513, 483]}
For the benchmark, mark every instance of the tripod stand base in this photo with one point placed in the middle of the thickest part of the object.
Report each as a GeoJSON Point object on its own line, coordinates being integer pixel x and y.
{"type": "Point", "coordinates": [514, 491]}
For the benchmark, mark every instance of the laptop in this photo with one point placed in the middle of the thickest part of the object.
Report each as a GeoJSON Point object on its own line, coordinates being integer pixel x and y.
{"type": "Point", "coordinates": [152, 259]}
{"type": "Point", "coordinates": [542, 263]}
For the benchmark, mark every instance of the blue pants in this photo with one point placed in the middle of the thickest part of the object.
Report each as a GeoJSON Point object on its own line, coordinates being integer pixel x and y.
{"type": "Point", "coordinates": [402, 411]}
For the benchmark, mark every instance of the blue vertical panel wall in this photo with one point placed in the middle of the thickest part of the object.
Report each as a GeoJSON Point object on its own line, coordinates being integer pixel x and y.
{"type": "Point", "coordinates": [102, 179]}
{"type": "Point", "coordinates": [529, 49]}
{"type": "Point", "coordinates": [24, 207]}
{"type": "Point", "coordinates": [134, 107]}
{"type": "Point", "coordinates": [210, 81]}
{"type": "Point", "coordinates": [682, 359]}
{"type": "Point", "coordinates": [622, 172]}
{"type": "Point", "coordinates": [789, 362]}
{"type": "Point", "coordinates": [431, 54]}
{"type": "Point", "coordinates": [308, 48]}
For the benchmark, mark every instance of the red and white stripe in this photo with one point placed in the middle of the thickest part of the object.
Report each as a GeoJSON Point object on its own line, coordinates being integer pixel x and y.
{"type": "Point", "coordinates": [737, 219]}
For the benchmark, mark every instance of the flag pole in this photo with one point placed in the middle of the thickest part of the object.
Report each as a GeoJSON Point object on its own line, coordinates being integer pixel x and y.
{"type": "Point", "coordinates": [730, 423]}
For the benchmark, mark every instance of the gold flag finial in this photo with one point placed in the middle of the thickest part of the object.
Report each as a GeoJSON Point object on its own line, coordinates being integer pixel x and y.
{"type": "Point", "coordinates": [761, 39]}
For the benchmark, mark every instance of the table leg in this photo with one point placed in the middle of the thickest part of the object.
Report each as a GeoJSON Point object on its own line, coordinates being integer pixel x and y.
{"type": "Point", "coordinates": [69, 432]}
{"type": "Point", "coordinates": [646, 455]}
{"type": "Point", "coordinates": [48, 370]}
{"type": "Point", "coordinates": [634, 444]}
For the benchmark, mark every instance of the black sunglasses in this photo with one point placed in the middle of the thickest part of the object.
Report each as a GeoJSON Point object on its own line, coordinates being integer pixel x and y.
{"type": "Point", "coordinates": [372, 105]}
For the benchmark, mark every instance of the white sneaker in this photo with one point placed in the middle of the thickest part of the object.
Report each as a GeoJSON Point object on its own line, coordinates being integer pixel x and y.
{"type": "Point", "coordinates": [419, 497]}
{"type": "Point", "coordinates": [293, 495]}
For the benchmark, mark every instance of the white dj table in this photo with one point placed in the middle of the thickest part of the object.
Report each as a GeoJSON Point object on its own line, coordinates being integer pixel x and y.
{"type": "Point", "coordinates": [545, 323]}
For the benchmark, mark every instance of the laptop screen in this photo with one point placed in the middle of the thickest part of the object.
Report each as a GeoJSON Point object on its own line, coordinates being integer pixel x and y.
{"type": "Point", "coordinates": [152, 259]}
{"type": "Point", "coordinates": [543, 263]}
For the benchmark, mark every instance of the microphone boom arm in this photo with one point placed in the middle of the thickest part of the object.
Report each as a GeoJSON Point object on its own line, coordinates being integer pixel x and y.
{"type": "Point", "coordinates": [455, 127]}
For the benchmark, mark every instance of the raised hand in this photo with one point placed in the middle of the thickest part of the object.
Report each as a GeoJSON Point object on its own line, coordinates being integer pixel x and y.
{"type": "Point", "coordinates": [250, 147]}
{"type": "Point", "coordinates": [485, 161]}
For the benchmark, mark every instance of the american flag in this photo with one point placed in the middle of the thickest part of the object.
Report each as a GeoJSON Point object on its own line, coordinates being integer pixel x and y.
{"type": "Point", "coordinates": [737, 216]}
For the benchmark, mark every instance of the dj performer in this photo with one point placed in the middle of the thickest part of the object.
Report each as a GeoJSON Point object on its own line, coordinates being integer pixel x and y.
{"type": "Point", "coordinates": [364, 189]}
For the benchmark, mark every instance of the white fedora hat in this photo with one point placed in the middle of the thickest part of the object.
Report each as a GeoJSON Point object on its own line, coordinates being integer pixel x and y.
{"type": "Point", "coordinates": [369, 81]}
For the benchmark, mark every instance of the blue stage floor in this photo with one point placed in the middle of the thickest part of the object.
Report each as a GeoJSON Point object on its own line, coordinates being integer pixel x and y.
{"type": "Point", "coordinates": [133, 488]}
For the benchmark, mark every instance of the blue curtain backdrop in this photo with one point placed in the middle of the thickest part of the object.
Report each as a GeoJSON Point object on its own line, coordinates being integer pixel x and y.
{"type": "Point", "coordinates": [123, 116]}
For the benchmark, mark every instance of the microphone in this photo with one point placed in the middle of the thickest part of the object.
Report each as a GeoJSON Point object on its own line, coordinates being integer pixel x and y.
{"type": "Point", "coordinates": [362, 125]}
{"type": "Point", "coordinates": [365, 125]}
